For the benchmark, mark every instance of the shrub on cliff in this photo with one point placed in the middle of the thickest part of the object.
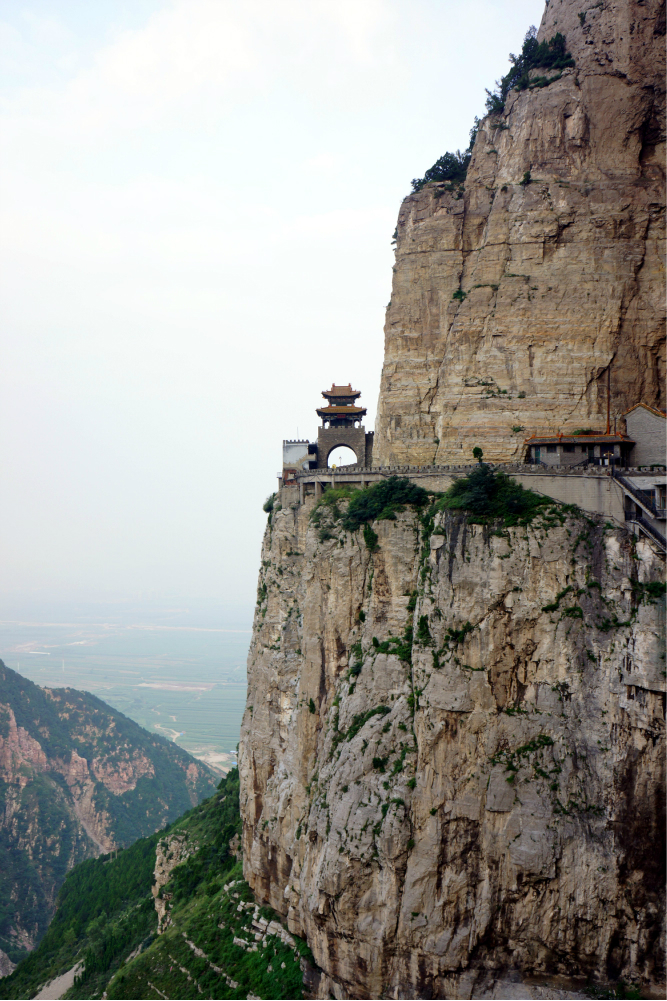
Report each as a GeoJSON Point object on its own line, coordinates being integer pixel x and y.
{"type": "Point", "coordinates": [551, 55]}
{"type": "Point", "coordinates": [329, 501]}
{"type": "Point", "coordinates": [451, 167]}
{"type": "Point", "coordinates": [548, 55]}
{"type": "Point", "coordinates": [371, 539]}
{"type": "Point", "coordinates": [489, 496]}
{"type": "Point", "coordinates": [382, 501]}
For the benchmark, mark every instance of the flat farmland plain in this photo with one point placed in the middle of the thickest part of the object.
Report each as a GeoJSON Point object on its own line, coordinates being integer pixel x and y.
{"type": "Point", "coordinates": [186, 682]}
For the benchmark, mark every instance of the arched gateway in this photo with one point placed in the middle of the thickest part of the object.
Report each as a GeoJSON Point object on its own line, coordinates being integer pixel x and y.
{"type": "Point", "coordinates": [342, 455]}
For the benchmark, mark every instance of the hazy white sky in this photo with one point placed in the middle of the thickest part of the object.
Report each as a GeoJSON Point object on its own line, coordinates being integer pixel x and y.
{"type": "Point", "coordinates": [198, 198]}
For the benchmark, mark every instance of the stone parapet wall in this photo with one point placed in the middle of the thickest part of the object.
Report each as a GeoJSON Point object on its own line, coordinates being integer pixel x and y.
{"type": "Point", "coordinates": [382, 472]}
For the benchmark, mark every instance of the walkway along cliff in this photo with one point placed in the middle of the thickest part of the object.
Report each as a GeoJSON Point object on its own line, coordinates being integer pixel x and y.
{"type": "Point", "coordinates": [452, 756]}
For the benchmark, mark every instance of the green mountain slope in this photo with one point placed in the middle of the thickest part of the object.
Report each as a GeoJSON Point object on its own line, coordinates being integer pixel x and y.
{"type": "Point", "coordinates": [216, 942]}
{"type": "Point", "coordinates": [76, 778]}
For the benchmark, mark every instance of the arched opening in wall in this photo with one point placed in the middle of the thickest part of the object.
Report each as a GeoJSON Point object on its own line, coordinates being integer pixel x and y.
{"type": "Point", "coordinates": [341, 455]}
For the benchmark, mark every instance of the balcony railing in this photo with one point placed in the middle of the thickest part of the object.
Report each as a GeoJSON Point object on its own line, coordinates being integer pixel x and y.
{"type": "Point", "coordinates": [646, 498]}
{"type": "Point", "coordinates": [647, 528]}
{"type": "Point", "coordinates": [615, 461]}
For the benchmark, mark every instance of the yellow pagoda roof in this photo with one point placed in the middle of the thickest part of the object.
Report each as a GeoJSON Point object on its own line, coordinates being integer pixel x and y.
{"type": "Point", "coordinates": [345, 411]}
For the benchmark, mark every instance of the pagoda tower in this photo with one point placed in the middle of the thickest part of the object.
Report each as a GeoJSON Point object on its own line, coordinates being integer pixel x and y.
{"type": "Point", "coordinates": [342, 410]}
{"type": "Point", "coordinates": [341, 425]}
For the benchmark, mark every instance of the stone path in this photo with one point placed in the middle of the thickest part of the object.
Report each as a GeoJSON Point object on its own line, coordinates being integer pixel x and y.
{"type": "Point", "coordinates": [55, 989]}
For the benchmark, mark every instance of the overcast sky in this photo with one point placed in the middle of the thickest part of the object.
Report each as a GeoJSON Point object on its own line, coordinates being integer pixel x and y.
{"type": "Point", "coordinates": [198, 199]}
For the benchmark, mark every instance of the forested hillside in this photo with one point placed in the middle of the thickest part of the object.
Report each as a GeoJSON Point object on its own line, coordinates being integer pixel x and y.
{"type": "Point", "coordinates": [76, 778]}
{"type": "Point", "coordinates": [215, 942]}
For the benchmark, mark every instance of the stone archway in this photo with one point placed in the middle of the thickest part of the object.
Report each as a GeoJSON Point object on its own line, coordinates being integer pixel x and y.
{"type": "Point", "coordinates": [351, 461]}
{"type": "Point", "coordinates": [340, 437]}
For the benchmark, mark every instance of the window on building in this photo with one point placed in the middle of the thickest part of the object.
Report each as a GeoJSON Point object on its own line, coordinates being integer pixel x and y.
{"type": "Point", "coordinates": [568, 448]}
{"type": "Point", "coordinates": [552, 448]}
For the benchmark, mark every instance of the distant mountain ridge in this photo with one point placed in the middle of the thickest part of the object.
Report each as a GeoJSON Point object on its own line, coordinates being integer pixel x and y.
{"type": "Point", "coordinates": [77, 778]}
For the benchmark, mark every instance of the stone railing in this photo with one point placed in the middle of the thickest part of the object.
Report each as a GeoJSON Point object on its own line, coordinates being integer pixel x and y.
{"type": "Point", "coordinates": [509, 467]}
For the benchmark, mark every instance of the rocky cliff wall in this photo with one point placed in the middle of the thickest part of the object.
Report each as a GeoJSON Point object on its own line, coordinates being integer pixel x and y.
{"type": "Point", "coordinates": [452, 757]}
{"type": "Point", "coordinates": [453, 751]}
{"type": "Point", "coordinates": [558, 278]}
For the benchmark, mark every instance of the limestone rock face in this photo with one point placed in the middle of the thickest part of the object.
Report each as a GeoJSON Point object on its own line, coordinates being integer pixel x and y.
{"type": "Point", "coordinates": [6, 965]}
{"type": "Point", "coordinates": [170, 852]}
{"type": "Point", "coordinates": [556, 279]}
{"type": "Point", "coordinates": [452, 758]}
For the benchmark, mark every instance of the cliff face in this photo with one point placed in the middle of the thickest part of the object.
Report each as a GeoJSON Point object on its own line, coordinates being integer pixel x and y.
{"type": "Point", "coordinates": [78, 778]}
{"type": "Point", "coordinates": [452, 758]}
{"type": "Point", "coordinates": [481, 793]}
{"type": "Point", "coordinates": [558, 278]}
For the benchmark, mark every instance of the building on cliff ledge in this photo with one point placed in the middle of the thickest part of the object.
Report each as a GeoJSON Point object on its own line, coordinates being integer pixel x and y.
{"type": "Point", "coordinates": [581, 448]}
{"type": "Point", "coordinates": [644, 444]}
{"type": "Point", "coordinates": [648, 427]}
{"type": "Point", "coordinates": [298, 455]}
{"type": "Point", "coordinates": [613, 475]}
{"type": "Point", "coordinates": [341, 426]}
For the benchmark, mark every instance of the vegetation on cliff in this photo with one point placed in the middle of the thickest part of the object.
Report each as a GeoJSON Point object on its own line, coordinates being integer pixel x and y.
{"type": "Point", "coordinates": [489, 496]}
{"type": "Point", "coordinates": [106, 920]}
{"type": "Point", "coordinates": [75, 774]}
{"type": "Point", "coordinates": [486, 495]}
{"type": "Point", "coordinates": [451, 167]}
{"type": "Point", "coordinates": [382, 500]}
{"type": "Point", "coordinates": [379, 502]}
{"type": "Point", "coordinates": [547, 55]}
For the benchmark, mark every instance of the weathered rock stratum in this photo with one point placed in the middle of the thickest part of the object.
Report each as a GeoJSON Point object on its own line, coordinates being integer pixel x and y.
{"type": "Point", "coordinates": [453, 751]}
{"type": "Point", "coordinates": [557, 278]}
